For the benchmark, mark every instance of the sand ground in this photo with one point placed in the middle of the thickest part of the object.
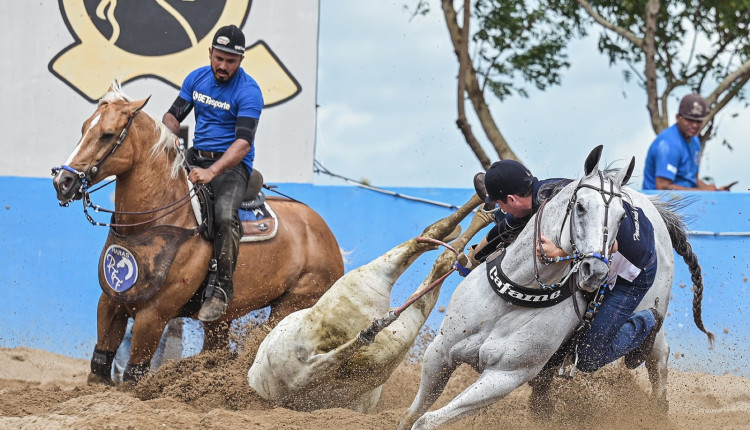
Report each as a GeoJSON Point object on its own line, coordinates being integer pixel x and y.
{"type": "Point", "coordinates": [42, 390]}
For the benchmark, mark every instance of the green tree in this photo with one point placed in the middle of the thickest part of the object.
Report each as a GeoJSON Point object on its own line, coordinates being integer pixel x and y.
{"type": "Point", "coordinates": [671, 47]}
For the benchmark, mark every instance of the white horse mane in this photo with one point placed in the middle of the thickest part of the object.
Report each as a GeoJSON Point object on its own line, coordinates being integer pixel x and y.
{"type": "Point", "coordinates": [165, 142]}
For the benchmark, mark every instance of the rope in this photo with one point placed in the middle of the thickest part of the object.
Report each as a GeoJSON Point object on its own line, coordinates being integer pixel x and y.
{"type": "Point", "coordinates": [320, 169]}
{"type": "Point", "coordinates": [367, 336]}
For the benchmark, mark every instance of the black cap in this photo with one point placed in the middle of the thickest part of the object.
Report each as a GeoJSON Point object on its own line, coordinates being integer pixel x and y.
{"type": "Point", "coordinates": [693, 107]}
{"type": "Point", "coordinates": [506, 177]}
{"type": "Point", "coordinates": [230, 39]}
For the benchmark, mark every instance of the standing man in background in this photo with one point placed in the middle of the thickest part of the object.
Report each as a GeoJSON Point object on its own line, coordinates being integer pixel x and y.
{"type": "Point", "coordinates": [227, 103]}
{"type": "Point", "coordinates": [673, 158]}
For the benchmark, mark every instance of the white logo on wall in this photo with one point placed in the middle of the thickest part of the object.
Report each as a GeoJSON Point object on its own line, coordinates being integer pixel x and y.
{"type": "Point", "coordinates": [120, 268]}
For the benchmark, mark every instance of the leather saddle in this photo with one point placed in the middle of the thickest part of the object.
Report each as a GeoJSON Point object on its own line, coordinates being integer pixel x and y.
{"type": "Point", "coordinates": [258, 221]}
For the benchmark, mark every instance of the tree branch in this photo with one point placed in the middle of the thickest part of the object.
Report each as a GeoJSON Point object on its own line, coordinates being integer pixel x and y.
{"type": "Point", "coordinates": [472, 89]}
{"type": "Point", "coordinates": [462, 50]}
{"type": "Point", "coordinates": [659, 120]}
{"type": "Point", "coordinates": [608, 25]}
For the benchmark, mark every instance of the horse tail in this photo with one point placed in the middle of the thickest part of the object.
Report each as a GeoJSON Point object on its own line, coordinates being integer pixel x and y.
{"type": "Point", "coordinates": [679, 236]}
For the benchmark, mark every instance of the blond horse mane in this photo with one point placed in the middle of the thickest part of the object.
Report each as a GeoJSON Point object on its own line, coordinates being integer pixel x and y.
{"type": "Point", "coordinates": [164, 144]}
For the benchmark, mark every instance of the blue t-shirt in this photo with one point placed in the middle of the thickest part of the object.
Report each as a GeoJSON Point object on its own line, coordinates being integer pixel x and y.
{"type": "Point", "coordinates": [672, 157]}
{"type": "Point", "coordinates": [217, 106]}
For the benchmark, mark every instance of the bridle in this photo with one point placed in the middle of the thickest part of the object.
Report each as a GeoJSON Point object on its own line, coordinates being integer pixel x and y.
{"type": "Point", "coordinates": [578, 256]}
{"type": "Point", "coordinates": [88, 177]}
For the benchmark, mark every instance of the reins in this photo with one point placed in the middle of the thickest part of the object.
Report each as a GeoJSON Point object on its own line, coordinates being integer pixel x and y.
{"type": "Point", "coordinates": [175, 206]}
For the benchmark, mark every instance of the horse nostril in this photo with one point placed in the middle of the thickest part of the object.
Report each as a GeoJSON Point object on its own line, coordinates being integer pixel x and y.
{"type": "Point", "coordinates": [585, 269]}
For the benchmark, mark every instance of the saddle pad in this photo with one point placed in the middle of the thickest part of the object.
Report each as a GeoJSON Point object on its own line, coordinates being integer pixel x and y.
{"type": "Point", "coordinates": [523, 296]}
{"type": "Point", "coordinates": [258, 224]}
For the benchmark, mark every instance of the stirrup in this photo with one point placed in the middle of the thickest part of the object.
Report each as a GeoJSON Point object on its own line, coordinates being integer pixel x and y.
{"type": "Point", "coordinates": [210, 309]}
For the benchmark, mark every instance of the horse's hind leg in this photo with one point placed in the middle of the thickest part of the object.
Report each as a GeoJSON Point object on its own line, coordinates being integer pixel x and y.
{"type": "Point", "coordinates": [656, 364]}
{"type": "Point", "coordinates": [539, 401]}
{"type": "Point", "coordinates": [112, 321]}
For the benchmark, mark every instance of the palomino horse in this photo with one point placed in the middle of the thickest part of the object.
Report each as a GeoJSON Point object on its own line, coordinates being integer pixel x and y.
{"type": "Point", "coordinates": [328, 355]}
{"type": "Point", "coordinates": [509, 344]}
{"type": "Point", "coordinates": [154, 220]}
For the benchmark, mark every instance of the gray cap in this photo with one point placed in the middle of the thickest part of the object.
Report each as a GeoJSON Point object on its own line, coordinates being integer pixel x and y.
{"type": "Point", "coordinates": [693, 107]}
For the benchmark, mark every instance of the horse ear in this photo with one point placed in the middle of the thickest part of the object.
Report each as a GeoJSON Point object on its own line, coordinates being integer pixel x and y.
{"type": "Point", "coordinates": [139, 104]}
{"type": "Point", "coordinates": [592, 161]}
{"type": "Point", "coordinates": [624, 175]}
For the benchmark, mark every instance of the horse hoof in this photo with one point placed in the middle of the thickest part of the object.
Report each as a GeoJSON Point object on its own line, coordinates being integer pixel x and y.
{"type": "Point", "coordinates": [94, 379]}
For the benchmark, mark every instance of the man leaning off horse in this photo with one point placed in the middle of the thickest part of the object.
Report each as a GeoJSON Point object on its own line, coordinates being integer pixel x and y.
{"type": "Point", "coordinates": [227, 103]}
{"type": "Point", "coordinates": [616, 331]}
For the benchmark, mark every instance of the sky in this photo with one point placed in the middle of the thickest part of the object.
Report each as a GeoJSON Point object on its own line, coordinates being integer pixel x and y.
{"type": "Point", "coordinates": [387, 108]}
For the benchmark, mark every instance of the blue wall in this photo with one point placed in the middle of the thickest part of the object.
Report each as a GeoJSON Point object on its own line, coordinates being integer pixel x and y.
{"type": "Point", "coordinates": [49, 288]}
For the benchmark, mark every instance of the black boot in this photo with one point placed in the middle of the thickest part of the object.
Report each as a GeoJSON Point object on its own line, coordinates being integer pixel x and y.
{"type": "Point", "coordinates": [215, 299]}
{"type": "Point", "coordinates": [481, 191]}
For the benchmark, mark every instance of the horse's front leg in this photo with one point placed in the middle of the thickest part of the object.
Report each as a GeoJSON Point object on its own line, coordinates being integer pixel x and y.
{"type": "Point", "coordinates": [147, 331]}
{"type": "Point", "coordinates": [437, 369]}
{"type": "Point", "coordinates": [112, 320]}
{"type": "Point", "coordinates": [493, 384]}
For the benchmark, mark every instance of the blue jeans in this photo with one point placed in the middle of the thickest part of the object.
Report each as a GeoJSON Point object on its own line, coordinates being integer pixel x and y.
{"type": "Point", "coordinates": [616, 330]}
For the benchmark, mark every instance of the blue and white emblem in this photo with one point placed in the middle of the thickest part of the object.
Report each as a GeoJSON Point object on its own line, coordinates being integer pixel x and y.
{"type": "Point", "coordinates": [120, 268]}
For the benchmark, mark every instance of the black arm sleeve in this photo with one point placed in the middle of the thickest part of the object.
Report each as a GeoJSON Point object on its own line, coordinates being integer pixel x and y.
{"type": "Point", "coordinates": [180, 108]}
{"type": "Point", "coordinates": [245, 128]}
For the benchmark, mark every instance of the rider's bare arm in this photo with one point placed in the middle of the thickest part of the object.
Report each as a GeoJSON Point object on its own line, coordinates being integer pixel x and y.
{"type": "Point", "coordinates": [232, 157]}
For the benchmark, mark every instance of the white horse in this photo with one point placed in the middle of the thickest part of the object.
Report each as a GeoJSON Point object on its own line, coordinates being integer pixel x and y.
{"type": "Point", "coordinates": [509, 344]}
{"type": "Point", "coordinates": [328, 356]}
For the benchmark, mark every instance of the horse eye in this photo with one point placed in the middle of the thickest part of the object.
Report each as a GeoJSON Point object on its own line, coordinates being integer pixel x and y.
{"type": "Point", "coordinates": [107, 136]}
{"type": "Point", "coordinates": [580, 209]}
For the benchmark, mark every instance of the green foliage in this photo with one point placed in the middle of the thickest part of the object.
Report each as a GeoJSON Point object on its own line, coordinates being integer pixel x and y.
{"type": "Point", "coordinates": [698, 43]}
{"type": "Point", "coordinates": [517, 42]}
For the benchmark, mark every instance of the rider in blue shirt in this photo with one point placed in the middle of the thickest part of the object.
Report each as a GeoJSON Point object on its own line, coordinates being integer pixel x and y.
{"type": "Point", "coordinates": [227, 103]}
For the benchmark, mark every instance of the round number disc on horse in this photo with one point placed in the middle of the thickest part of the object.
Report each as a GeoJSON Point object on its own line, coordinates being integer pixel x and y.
{"type": "Point", "coordinates": [155, 260]}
